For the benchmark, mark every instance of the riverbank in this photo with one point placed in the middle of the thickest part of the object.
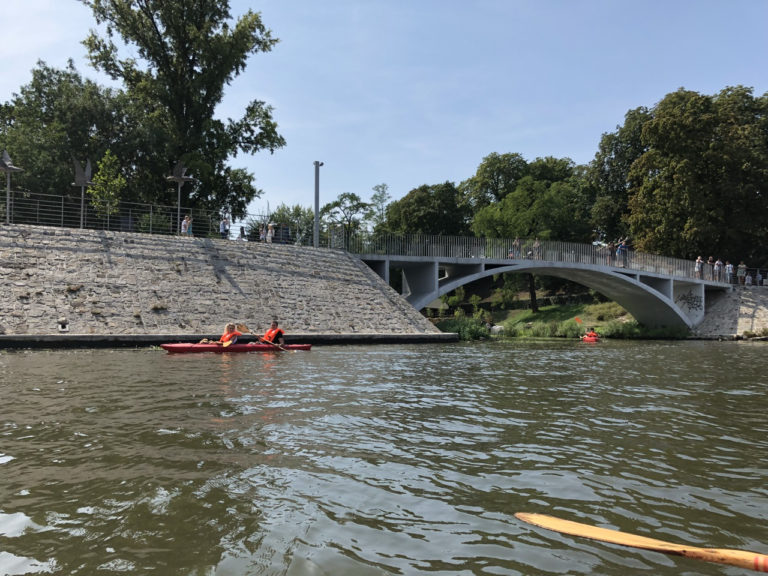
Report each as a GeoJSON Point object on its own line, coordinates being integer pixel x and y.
{"type": "Point", "coordinates": [65, 287]}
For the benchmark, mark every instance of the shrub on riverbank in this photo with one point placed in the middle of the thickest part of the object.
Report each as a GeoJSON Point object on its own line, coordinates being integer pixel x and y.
{"type": "Point", "coordinates": [466, 328]}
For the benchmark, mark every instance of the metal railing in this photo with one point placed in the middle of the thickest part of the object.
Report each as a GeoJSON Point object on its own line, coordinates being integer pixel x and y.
{"type": "Point", "coordinates": [65, 211]}
{"type": "Point", "coordinates": [523, 249]}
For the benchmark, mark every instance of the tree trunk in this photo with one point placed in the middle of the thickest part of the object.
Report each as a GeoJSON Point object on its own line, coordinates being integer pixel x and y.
{"type": "Point", "coordinates": [532, 293]}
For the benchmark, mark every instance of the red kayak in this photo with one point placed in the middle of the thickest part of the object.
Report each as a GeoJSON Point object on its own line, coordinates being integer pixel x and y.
{"type": "Point", "coordinates": [188, 347]}
{"type": "Point", "coordinates": [590, 338]}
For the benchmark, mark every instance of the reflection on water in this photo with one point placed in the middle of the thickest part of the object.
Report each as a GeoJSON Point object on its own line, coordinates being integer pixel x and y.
{"type": "Point", "coordinates": [374, 460]}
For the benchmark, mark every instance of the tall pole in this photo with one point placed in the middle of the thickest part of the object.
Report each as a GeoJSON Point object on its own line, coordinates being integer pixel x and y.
{"type": "Point", "coordinates": [178, 208]}
{"type": "Point", "coordinates": [8, 197]}
{"type": "Point", "coordinates": [317, 203]}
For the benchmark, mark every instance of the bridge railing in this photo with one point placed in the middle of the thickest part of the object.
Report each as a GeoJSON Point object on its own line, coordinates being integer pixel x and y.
{"type": "Point", "coordinates": [514, 249]}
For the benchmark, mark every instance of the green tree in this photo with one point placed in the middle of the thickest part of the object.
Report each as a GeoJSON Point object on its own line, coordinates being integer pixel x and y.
{"type": "Point", "coordinates": [608, 173]}
{"type": "Point", "coordinates": [552, 202]}
{"type": "Point", "coordinates": [438, 209]}
{"type": "Point", "coordinates": [108, 186]}
{"type": "Point", "coordinates": [298, 219]}
{"type": "Point", "coordinates": [183, 54]}
{"type": "Point", "coordinates": [57, 115]}
{"type": "Point", "coordinates": [698, 189]}
{"type": "Point", "coordinates": [347, 212]}
{"type": "Point", "coordinates": [495, 178]}
{"type": "Point", "coordinates": [377, 211]}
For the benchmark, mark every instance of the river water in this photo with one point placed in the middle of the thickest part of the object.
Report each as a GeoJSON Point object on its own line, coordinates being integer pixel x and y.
{"type": "Point", "coordinates": [366, 460]}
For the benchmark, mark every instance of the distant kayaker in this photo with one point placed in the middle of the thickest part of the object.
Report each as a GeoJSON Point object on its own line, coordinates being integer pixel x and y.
{"type": "Point", "coordinates": [230, 334]}
{"type": "Point", "coordinates": [591, 334]}
{"type": "Point", "coordinates": [274, 335]}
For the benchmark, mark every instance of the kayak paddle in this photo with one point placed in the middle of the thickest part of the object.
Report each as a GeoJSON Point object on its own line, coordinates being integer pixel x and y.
{"type": "Point", "coordinates": [740, 558]}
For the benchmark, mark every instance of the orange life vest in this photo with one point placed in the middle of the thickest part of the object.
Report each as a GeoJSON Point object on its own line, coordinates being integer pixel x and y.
{"type": "Point", "coordinates": [272, 334]}
{"type": "Point", "coordinates": [227, 336]}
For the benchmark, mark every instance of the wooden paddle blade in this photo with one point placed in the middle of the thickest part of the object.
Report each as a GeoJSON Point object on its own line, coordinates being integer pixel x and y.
{"type": "Point", "coordinates": [227, 343]}
{"type": "Point", "coordinates": [243, 328]}
{"type": "Point", "coordinates": [741, 558]}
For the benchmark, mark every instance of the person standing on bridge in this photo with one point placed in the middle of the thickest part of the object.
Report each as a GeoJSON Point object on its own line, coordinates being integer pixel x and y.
{"type": "Point", "coordinates": [718, 270]}
{"type": "Point", "coordinates": [728, 272]}
{"type": "Point", "coordinates": [741, 272]}
{"type": "Point", "coordinates": [697, 267]}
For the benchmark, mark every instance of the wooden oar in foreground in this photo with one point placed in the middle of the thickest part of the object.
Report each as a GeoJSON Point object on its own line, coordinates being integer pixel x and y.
{"type": "Point", "coordinates": [740, 558]}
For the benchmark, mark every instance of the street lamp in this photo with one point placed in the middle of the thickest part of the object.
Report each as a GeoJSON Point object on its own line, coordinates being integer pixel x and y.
{"type": "Point", "coordinates": [7, 166]}
{"type": "Point", "coordinates": [82, 179]}
{"type": "Point", "coordinates": [179, 177]}
{"type": "Point", "coordinates": [317, 203]}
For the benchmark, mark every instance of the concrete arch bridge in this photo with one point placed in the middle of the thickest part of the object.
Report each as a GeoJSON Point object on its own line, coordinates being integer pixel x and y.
{"type": "Point", "coordinates": [658, 291]}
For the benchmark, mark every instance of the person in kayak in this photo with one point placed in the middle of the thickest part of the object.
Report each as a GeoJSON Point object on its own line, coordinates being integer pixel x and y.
{"type": "Point", "coordinates": [230, 334]}
{"type": "Point", "coordinates": [274, 335]}
{"type": "Point", "coordinates": [591, 334]}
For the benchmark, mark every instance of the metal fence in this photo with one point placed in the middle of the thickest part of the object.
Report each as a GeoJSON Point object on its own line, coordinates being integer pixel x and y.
{"type": "Point", "coordinates": [66, 211]}
{"type": "Point", "coordinates": [532, 249]}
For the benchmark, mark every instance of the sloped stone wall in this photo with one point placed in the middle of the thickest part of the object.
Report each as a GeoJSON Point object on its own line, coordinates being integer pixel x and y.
{"type": "Point", "coordinates": [113, 283]}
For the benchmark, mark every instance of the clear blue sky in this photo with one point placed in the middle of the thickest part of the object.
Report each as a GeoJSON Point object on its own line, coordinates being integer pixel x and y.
{"type": "Point", "coordinates": [407, 92]}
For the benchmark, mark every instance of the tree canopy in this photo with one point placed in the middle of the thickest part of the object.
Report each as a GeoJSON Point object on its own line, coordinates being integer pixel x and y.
{"type": "Point", "coordinates": [183, 54]}
{"type": "Point", "coordinates": [699, 186]}
{"type": "Point", "coordinates": [437, 209]}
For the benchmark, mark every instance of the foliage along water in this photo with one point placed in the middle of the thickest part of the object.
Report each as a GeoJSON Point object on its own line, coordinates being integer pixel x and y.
{"type": "Point", "coordinates": [380, 460]}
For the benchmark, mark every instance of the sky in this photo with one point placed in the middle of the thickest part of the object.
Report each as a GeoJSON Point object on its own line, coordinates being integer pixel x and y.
{"type": "Point", "coordinates": [413, 92]}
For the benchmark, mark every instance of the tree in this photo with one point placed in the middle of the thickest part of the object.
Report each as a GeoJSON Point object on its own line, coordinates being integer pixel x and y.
{"type": "Point", "coordinates": [298, 219]}
{"type": "Point", "coordinates": [496, 177]}
{"type": "Point", "coordinates": [377, 211]}
{"type": "Point", "coordinates": [346, 211]}
{"type": "Point", "coordinates": [57, 115]}
{"type": "Point", "coordinates": [437, 209]}
{"type": "Point", "coordinates": [699, 187]}
{"type": "Point", "coordinates": [552, 202]}
{"type": "Point", "coordinates": [608, 173]}
{"type": "Point", "coordinates": [184, 52]}
{"type": "Point", "coordinates": [108, 186]}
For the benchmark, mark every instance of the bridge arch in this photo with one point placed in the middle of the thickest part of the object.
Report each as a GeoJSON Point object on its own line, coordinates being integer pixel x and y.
{"type": "Point", "coordinates": [657, 294]}
{"type": "Point", "coordinates": [649, 300]}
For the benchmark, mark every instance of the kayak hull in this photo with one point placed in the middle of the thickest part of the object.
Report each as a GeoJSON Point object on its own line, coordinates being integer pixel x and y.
{"type": "Point", "coordinates": [188, 347]}
{"type": "Point", "coordinates": [590, 339]}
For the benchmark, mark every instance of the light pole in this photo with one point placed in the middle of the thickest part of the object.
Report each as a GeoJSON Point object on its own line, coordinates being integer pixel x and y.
{"type": "Point", "coordinates": [7, 166]}
{"type": "Point", "coordinates": [317, 203]}
{"type": "Point", "coordinates": [178, 176]}
{"type": "Point", "coordinates": [82, 179]}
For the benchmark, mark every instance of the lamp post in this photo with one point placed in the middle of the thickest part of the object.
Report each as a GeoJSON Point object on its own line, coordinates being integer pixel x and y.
{"type": "Point", "coordinates": [317, 203]}
{"type": "Point", "coordinates": [179, 177]}
{"type": "Point", "coordinates": [82, 179]}
{"type": "Point", "coordinates": [7, 166]}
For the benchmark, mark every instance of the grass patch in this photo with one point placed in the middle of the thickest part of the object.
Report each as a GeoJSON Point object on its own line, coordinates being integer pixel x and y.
{"type": "Point", "coordinates": [571, 321]}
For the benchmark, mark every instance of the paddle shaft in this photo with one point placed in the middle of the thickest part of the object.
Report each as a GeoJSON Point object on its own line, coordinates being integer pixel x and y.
{"type": "Point", "coordinates": [740, 558]}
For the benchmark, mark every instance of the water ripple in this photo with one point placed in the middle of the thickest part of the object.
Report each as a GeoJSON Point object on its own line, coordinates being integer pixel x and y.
{"type": "Point", "coordinates": [371, 460]}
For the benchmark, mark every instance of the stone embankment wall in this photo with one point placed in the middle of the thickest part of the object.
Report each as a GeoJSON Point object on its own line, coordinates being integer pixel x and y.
{"type": "Point", "coordinates": [731, 314]}
{"type": "Point", "coordinates": [59, 280]}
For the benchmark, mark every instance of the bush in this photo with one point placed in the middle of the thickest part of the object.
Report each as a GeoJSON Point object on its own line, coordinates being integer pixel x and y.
{"type": "Point", "coordinates": [569, 329]}
{"type": "Point", "coordinates": [466, 328]}
{"type": "Point", "coordinates": [540, 330]}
